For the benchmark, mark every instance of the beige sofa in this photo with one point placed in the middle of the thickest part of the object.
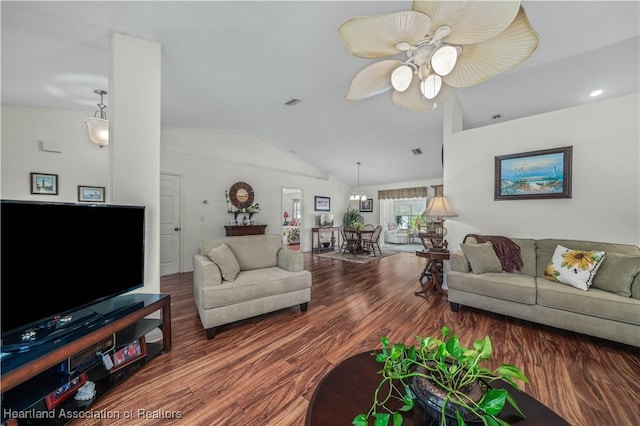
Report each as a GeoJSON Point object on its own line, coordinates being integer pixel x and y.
{"type": "Point", "coordinates": [268, 277]}
{"type": "Point", "coordinates": [527, 295]}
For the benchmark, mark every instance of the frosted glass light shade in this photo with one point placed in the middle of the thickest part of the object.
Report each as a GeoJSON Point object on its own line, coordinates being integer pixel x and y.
{"type": "Point", "coordinates": [98, 131]}
{"type": "Point", "coordinates": [444, 59]}
{"type": "Point", "coordinates": [430, 87]}
{"type": "Point", "coordinates": [401, 78]}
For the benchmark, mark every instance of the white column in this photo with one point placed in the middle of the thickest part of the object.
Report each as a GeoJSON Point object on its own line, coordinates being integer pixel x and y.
{"type": "Point", "coordinates": [134, 95]}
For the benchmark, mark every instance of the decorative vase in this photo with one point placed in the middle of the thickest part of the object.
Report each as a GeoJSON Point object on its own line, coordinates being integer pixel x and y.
{"type": "Point", "coordinates": [431, 398]}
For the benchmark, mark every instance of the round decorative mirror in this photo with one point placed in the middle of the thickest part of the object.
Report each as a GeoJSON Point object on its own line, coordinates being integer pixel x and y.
{"type": "Point", "coordinates": [241, 195]}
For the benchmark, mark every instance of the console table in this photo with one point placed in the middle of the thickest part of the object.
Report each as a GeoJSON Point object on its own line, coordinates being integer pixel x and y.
{"type": "Point", "coordinates": [347, 391]}
{"type": "Point", "coordinates": [318, 238]}
{"type": "Point", "coordinates": [238, 230]}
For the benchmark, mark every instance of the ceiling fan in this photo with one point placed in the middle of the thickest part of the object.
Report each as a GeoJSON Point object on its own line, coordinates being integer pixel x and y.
{"type": "Point", "coordinates": [447, 44]}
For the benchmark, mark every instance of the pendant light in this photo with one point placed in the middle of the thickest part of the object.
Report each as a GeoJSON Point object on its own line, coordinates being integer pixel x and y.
{"type": "Point", "coordinates": [358, 196]}
{"type": "Point", "coordinates": [98, 124]}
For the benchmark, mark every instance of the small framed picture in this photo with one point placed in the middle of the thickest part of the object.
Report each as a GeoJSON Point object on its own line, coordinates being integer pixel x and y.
{"type": "Point", "coordinates": [322, 204]}
{"type": "Point", "coordinates": [43, 183]}
{"type": "Point", "coordinates": [366, 206]}
{"type": "Point", "coordinates": [56, 397]}
{"type": "Point", "coordinates": [91, 194]}
{"type": "Point", "coordinates": [128, 354]}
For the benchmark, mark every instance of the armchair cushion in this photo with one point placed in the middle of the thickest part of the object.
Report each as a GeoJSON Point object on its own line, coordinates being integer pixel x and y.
{"type": "Point", "coordinates": [226, 261]}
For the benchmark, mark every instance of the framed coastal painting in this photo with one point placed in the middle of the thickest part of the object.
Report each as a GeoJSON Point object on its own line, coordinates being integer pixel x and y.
{"type": "Point", "coordinates": [91, 194]}
{"type": "Point", "coordinates": [534, 175]}
{"type": "Point", "coordinates": [44, 183]}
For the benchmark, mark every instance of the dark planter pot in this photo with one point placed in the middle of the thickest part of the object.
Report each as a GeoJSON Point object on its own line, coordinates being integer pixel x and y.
{"type": "Point", "coordinates": [431, 399]}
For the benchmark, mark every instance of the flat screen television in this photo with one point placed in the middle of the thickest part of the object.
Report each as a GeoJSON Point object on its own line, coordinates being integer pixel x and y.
{"type": "Point", "coordinates": [61, 258]}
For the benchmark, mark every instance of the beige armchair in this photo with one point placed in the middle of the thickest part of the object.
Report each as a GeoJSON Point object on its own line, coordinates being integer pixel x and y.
{"type": "Point", "coordinates": [235, 278]}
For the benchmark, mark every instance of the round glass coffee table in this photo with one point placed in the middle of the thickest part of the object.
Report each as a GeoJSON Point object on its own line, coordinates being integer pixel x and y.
{"type": "Point", "coordinates": [347, 391]}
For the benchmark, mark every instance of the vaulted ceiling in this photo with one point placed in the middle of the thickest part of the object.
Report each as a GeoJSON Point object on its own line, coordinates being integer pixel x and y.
{"type": "Point", "coordinates": [232, 66]}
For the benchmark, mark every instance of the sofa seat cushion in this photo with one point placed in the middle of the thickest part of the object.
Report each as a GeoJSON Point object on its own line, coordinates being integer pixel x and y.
{"type": "Point", "coordinates": [502, 285]}
{"type": "Point", "coordinates": [594, 302]}
{"type": "Point", "coordinates": [254, 284]}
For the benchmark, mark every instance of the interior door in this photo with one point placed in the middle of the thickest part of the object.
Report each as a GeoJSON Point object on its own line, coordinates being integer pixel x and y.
{"type": "Point", "coordinates": [170, 224]}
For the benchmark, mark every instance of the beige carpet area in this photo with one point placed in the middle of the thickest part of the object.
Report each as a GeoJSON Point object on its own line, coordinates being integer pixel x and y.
{"type": "Point", "coordinates": [359, 258]}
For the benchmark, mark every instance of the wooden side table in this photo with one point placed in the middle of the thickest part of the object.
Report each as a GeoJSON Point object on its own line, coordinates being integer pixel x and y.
{"type": "Point", "coordinates": [434, 268]}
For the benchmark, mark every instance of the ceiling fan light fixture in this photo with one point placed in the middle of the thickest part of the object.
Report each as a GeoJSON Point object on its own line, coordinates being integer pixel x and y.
{"type": "Point", "coordinates": [444, 59]}
{"type": "Point", "coordinates": [430, 87]}
{"type": "Point", "coordinates": [401, 78]}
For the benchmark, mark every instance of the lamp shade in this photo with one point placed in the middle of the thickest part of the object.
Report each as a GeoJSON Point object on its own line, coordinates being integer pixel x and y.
{"type": "Point", "coordinates": [98, 131]}
{"type": "Point", "coordinates": [439, 207]}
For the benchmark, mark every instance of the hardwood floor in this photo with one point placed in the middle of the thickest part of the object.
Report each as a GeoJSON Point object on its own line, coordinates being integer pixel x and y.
{"type": "Point", "coordinates": [263, 371]}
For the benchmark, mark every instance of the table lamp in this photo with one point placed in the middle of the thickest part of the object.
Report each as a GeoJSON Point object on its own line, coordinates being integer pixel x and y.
{"type": "Point", "coordinates": [437, 209]}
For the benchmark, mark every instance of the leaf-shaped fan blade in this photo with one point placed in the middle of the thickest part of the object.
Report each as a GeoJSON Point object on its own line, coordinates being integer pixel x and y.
{"type": "Point", "coordinates": [412, 97]}
{"type": "Point", "coordinates": [376, 36]}
{"type": "Point", "coordinates": [372, 80]}
{"type": "Point", "coordinates": [470, 21]}
{"type": "Point", "coordinates": [479, 62]}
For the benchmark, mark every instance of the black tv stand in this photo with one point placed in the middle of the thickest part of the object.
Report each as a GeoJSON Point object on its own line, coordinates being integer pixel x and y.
{"type": "Point", "coordinates": [46, 332]}
{"type": "Point", "coordinates": [27, 377]}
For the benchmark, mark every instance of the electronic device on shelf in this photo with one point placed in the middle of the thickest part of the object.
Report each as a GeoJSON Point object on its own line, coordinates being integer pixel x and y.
{"type": "Point", "coordinates": [59, 260]}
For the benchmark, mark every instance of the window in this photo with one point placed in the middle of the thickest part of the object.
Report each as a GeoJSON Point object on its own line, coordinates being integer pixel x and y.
{"type": "Point", "coordinates": [296, 209]}
{"type": "Point", "coordinates": [408, 211]}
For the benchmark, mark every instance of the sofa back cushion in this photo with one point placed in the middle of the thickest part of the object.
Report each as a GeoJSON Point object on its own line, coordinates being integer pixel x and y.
{"type": "Point", "coordinates": [527, 253]}
{"type": "Point", "coordinates": [616, 273]}
{"type": "Point", "coordinates": [226, 261]}
{"type": "Point", "coordinates": [482, 258]}
{"type": "Point", "coordinates": [251, 251]}
{"type": "Point", "coordinates": [546, 247]}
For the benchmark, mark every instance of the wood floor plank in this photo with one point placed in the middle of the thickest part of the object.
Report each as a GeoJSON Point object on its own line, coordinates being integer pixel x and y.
{"type": "Point", "coordinates": [263, 371]}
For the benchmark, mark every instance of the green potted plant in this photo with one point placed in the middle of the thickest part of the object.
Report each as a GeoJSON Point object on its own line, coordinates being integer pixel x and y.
{"type": "Point", "coordinates": [351, 217]}
{"type": "Point", "coordinates": [440, 374]}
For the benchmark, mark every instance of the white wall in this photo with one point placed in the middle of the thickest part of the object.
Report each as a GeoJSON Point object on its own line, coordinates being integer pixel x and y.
{"type": "Point", "coordinates": [605, 205]}
{"type": "Point", "coordinates": [80, 162]}
{"type": "Point", "coordinates": [210, 162]}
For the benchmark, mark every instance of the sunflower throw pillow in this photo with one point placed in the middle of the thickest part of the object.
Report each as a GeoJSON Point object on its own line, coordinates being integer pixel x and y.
{"type": "Point", "coordinates": [574, 267]}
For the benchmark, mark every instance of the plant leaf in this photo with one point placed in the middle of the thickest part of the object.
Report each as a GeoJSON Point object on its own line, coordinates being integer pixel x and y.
{"type": "Point", "coordinates": [453, 346]}
{"type": "Point", "coordinates": [408, 403]}
{"type": "Point", "coordinates": [360, 420]}
{"type": "Point", "coordinates": [382, 419]}
{"type": "Point", "coordinates": [514, 404]}
{"type": "Point", "coordinates": [511, 371]}
{"type": "Point", "coordinates": [493, 401]}
{"type": "Point", "coordinates": [397, 419]}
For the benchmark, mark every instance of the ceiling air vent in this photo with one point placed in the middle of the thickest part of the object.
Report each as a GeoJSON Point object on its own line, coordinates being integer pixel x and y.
{"type": "Point", "coordinates": [416, 151]}
{"type": "Point", "coordinates": [292, 102]}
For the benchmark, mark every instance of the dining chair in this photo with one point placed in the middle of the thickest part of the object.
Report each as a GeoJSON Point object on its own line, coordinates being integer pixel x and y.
{"type": "Point", "coordinates": [373, 243]}
{"type": "Point", "coordinates": [351, 240]}
{"type": "Point", "coordinates": [369, 227]}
